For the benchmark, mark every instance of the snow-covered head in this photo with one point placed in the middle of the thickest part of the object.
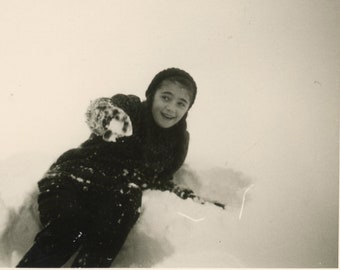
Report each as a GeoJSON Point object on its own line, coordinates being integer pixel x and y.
{"type": "Point", "coordinates": [170, 95]}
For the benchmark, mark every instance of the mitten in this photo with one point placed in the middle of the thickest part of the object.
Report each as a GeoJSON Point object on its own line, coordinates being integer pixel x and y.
{"type": "Point", "coordinates": [107, 120]}
{"type": "Point", "coordinates": [183, 193]}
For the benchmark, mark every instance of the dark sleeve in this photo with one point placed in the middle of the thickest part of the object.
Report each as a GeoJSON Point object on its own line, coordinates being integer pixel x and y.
{"type": "Point", "coordinates": [164, 181]}
{"type": "Point", "coordinates": [130, 104]}
{"type": "Point", "coordinates": [84, 151]}
{"type": "Point", "coordinates": [181, 154]}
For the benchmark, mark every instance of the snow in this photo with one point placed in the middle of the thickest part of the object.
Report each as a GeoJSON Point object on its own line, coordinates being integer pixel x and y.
{"type": "Point", "coordinates": [257, 228]}
{"type": "Point", "coordinates": [170, 232]}
{"type": "Point", "coordinates": [98, 113]}
{"type": "Point", "coordinates": [264, 127]}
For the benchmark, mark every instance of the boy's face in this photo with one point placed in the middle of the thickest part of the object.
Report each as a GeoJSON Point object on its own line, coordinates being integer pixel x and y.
{"type": "Point", "coordinates": [170, 103]}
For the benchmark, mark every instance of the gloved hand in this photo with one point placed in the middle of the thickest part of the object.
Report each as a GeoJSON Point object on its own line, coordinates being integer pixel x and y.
{"type": "Point", "coordinates": [183, 193]}
{"type": "Point", "coordinates": [108, 120]}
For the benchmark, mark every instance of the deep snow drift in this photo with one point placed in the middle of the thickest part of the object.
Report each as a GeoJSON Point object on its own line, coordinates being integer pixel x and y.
{"type": "Point", "coordinates": [171, 232]}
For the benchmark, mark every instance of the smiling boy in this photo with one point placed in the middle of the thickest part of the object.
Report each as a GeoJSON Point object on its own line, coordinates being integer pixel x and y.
{"type": "Point", "coordinates": [91, 197]}
{"type": "Point", "coordinates": [170, 104]}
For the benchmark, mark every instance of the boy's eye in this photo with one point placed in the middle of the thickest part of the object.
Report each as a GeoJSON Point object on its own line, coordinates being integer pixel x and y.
{"type": "Point", "coordinates": [183, 105]}
{"type": "Point", "coordinates": [165, 98]}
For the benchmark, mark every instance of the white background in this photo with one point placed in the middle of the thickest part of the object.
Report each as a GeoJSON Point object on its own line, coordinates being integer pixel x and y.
{"type": "Point", "coordinates": [268, 94]}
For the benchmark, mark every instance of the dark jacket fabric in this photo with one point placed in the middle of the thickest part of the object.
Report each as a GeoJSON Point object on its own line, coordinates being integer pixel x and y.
{"type": "Point", "coordinates": [148, 158]}
{"type": "Point", "coordinates": [90, 198]}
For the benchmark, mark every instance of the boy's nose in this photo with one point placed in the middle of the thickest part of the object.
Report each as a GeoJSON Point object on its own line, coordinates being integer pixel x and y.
{"type": "Point", "coordinates": [170, 108]}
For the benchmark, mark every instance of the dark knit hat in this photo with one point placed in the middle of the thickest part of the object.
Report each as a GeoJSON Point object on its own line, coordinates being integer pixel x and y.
{"type": "Point", "coordinates": [175, 74]}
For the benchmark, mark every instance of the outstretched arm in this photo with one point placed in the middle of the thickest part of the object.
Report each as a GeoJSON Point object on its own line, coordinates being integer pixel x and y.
{"type": "Point", "coordinates": [165, 182]}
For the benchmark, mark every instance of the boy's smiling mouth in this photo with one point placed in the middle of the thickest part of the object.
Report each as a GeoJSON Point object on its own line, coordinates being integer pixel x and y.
{"type": "Point", "coordinates": [168, 116]}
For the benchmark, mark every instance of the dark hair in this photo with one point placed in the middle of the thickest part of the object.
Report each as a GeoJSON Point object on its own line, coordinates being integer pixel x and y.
{"type": "Point", "coordinates": [173, 75]}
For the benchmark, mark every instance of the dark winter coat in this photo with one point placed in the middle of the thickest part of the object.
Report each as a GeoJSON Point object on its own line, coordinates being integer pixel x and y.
{"type": "Point", "coordinates": [90, 198]}
{"type": "Point", "coordinates": [147, 159]}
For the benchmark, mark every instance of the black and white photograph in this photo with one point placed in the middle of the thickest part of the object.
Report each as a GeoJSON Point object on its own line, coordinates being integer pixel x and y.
{"type": "Point", "coordinates": [169, 134]}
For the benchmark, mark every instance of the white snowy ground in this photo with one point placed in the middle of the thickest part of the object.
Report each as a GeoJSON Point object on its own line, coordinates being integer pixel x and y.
{"type": "Point", "coordinates": [171, 232]}
{"type": "Point", "coordinates": [262, 226]}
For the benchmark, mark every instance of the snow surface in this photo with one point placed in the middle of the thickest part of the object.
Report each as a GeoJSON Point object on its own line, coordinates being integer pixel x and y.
{"type": "Point", "coordinates": [170, 232]}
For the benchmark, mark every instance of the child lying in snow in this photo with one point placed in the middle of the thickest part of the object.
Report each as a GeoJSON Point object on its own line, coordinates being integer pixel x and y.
{"type": "Point", "coordinates": [90, 197]}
